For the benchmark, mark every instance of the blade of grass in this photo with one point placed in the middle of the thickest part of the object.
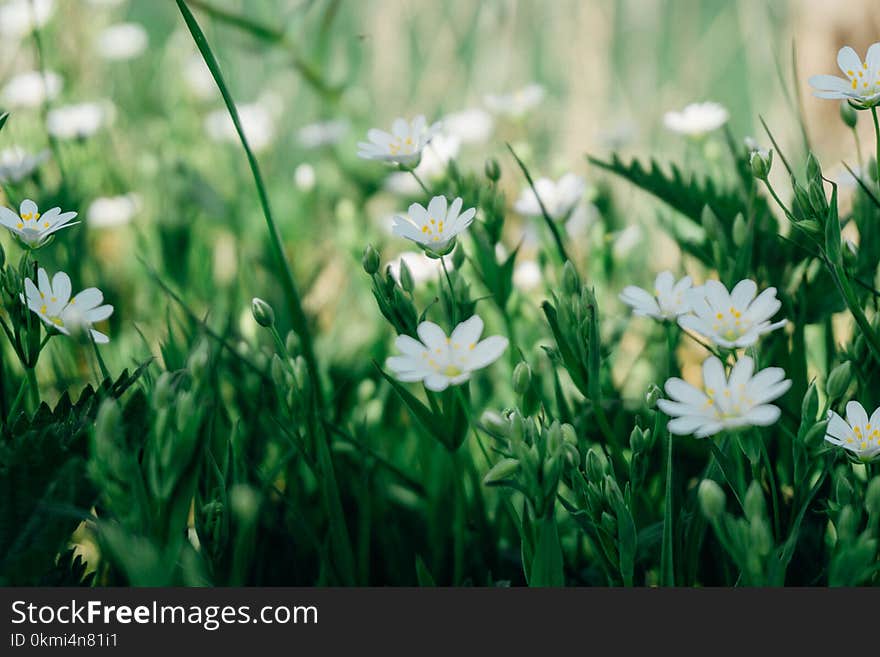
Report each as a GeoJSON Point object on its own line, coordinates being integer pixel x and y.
{"type": "Point", "coordinates": [298, 316]}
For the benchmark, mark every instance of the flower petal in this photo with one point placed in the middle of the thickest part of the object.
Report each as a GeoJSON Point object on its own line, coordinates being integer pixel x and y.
{"type": "Point", "coordinates": [486, 351]}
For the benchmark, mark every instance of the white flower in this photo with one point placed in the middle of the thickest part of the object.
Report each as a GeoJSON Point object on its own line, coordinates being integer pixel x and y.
{"type": "Point", "coordinates": [723, 402]}
{"type": "Point", "coordinates": [324, 133]}
{"type": "Point", "coordinates": [256, 121]}
{"type": "Point", "coordinates": [304, 177]}
{"type": "Point", "coordinates": [53, 304]}
{"type": "Point", "coordinates": [862, 84]}
{"type": "Point", "coordinates": [31, 89]}
{"type": "Point", "coordinates": [439, 361]}
{"type": "Point", "coordinates": [558, 197]}
{"type": "Point", "coordinates": [527, 275]}
{"type": "Point", "coordinates": [516, 104]}
{"type": "Point", "coordinates": [122, 41]}
{"type": "Point", "coordinates": [112, 211]}
{"type": "Point", "coordinates": [79, 121]}
{"type": "Point", "coordinates": [420, 266]}
{"type": "Point", "coordinates": [198, 78]}
{"type": "Point", "coordinates": [857, 433]}
{"type": "Point", "coordinates": [436, 226]}
{"type": "Point", "coordinates": [403, 145]}
{"type": "Point", "coordinates": [697, 119]}
{"type": "Point", "coordinates": [732, 319]}
{"type": "Point", "coordinates": [435, 159]}
{"type": "Point", "coordinates": [669, 300]}
{"type": "Point", "coordinates": [18, 18]}
{"type": "Point", "coordinates": [32, 228]}
{"type": "Point", "coordinates": [470, 126]}
{"type": "Point", "coordinates": [625, 241]}
{"type": "Point", "coordinates": [16, 164]}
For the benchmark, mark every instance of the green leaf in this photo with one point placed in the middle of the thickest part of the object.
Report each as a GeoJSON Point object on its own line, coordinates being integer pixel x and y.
{"type": "Point", "coordinates": [423, 574]}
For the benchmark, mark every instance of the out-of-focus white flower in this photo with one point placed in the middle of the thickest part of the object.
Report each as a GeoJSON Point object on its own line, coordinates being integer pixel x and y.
{"type": "Point", "coordinates": [79, 121]}
{"type": "Point", "coordinates": [439, 361]}
{"type": "Point", "coordinates": [469, 126]}
{"type": "Point", "coordinates": [403, 145]}
{"type": "Point", "coordinates": [304, 177]}
{"type": "Point", "coordinates": [557, 197]}
{"type": "Point", "coordinates": [198, 78]}
{"type": "Point", "coordinates": [862, 84]}
{"type": "Point", "coordinates": [53, 304]}
{"type": "Point", "coordinates": [857, 434]}
{"type": "Point", "coordinates": [30, 227]}
{"type": "Point", "coordinates": [420, 266]}
{"type": "Point", "coordinates": [435, 159]}
{"type": "Point", "coordinates": [516, 104]}
{"type": "Point", "coordinates": [18, 18]}
{"type": "Point", "coordinates": [724, 402]}
{"type": "Point", "coordinates": [580, 219]}
{"type": "Point", "coordinates": [697, 119]}
{"type": "Point", "coordinates": [625, 241]}
{"type": "Point", "coordinates": [527, 275]}
{"type": "Point", "coordinates": [669, 299]}
{"type": "Point", "coordinates": [16, 164]}
{"type": "Point", "coordinates": [31, 89]}
{"type": "Point", "coordinates": [619, 134]}
{"type": "Point", "coordinates": [436, 226]}
{"type": "Point", "coordinates": [113, 211]}
{"type": "Point", "coordinates": [256, 121]}
{"type": "Point", "coordinates": [324, 133]}
{"type": "Point", "coordinates": [122, 41]}
{"type": "Point", "coordinates": [732, 319]}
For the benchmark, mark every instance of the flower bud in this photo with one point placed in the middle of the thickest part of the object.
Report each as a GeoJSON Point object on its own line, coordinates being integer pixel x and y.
{"type": "Point", "coordinates": [263, 312]}
{"type": "Point", "coordinates": [712, 499]}
{"type": "Point", "coordinates": [554, 437]}
{"type": "Point", "coordinates": [406, 278]}
{"type": "Point", "coordinates": [848, 114]}
{"type": "Point", "coordinates": [244, 502]}
{"type": "Point", "coordinates": [639, 439]}
{"type": "Point", "coordinates": [568, 434]}
{"type": "Point", "coordinates": [740, 230]}
{"type": "Point", "coordinates": [761, 162]}
{"type": "Point", "coordinates": [754, 504]}
{"type": "Point", "coordinates": [814, 169]}
{"type": "Point", "coordinates": [597, 465]}
{"type": "Point", "coordinates": [571, 283]}
{"type": "Point", "coordinates": [370, 260]}
{"type": "Point", "coordinates": [107, 422]}
{"type": "Point", "coordinates": [276, 369]}
{"type": "Point", "coordinates": [504, 469]}
{"type": "Point", "coordinates": [839, 380]}
{"type": "Point", "coordinates": [492, 169]}
{"type": "Point", "coordinates": [495, 423]}
{"type": "Point", "coordinates": [654, 393]}
{"type": "Point", "coordinates": [522, 378]}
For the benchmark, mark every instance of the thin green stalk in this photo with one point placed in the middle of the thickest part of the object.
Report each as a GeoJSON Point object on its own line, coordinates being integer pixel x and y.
{"type": "Point", "coordinates": [34, 387]}
{"type": "Point", "coordinates": [18, 399]}
{"type": "Point", "coordinates": [858, 148]}
{"type": "Point", "coordinates": [877, 142]}
{"type": "Point", "coordinates": [298, 316]}
{"type": "Point", "coordinates": [774, 494]}
{"type": "Point", "coordinates": [104, 372]}
{"type": "Point", "coordinates": [667, 568]}
{"type": "Point", "coordinates": [459, 521]}
{"type": "Point", "coordinates": [419, 180]}
{"type": "Point", "coordinates": [452, 301]}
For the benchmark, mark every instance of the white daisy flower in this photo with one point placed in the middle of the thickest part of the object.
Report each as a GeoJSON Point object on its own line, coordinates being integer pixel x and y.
{"type": "Point", "coordinates": [256, 121]}
{"type": "Point", "coordinates": [122, 41]}
{"type": "Point", "coordinates": [18, 18]}
{"type": "Point", "coordinates": [517, 103]}
{"type": "Point", "coordinates": [30, 227]}
{"type": "Point", "coordinates": [16, 164]}
{"type": "Point", "coordinates": [79, 121]}
{"type": "Point", "coordinates": [113, 211]}
{"type": "Point", "coordinates": [324, 133]}
{"type": "Point", "coordinates": [432, 166]}
{"type": "Point", "coordinates": [669, 300]}
{"type": "Point", "coordinates": [469, 126]}
{"type": "Point", "coordinates": [857, 434]}
{"type": "Point", "coordinates": [724, 402]}
{"type": "Point", "coordinates": [862, 84]}
{"type": "Point", "coordinates": [732, 319]}
{"type": "Point", "coordinates": [53, 304]}
{"type": "Point", "coordinates": [420, 266]}
{"type": "Point", "coordinates": [436, 226]}
{"type": "Point", "coordinates": [403, 145]}
{"type": "Point", "coordinates": [31, 89]}
{"type": "Point", "coordinates": [558, 197]}
{"type": "Point", "coordinates": [439, 361]}
{"type": "Point", "coordinates": [697, 119]}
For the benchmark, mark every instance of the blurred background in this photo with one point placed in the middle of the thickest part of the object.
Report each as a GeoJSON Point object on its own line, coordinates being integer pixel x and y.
{"type": "Point", "coordinates": [140, 145]}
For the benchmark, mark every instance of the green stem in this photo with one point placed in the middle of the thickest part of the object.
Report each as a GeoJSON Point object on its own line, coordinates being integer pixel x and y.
{"type": "Point", "coordinates": [18, 399]}
{"type": "Point", "coordinates": [298, 316]}
{"type": "Point", "coordinates": [33, 385]}
{"type": "Point", "coordinates": [778, 200]}
{"type": "Point", "coordinates": [771, 475]}
{"type": "Point", "coordinates": [104, 371]}
{"type": "Point", "coordinates": [667, 568]}
{"type": "Point", "coordinates": [453, 304]}
{"type": "Point", "coordinates": [419, 180]}
{"type": "Point", "coordinates": [859, 150]}
{"type": "Point", "coordinates": [458, 526]}
{"type": "Point", "coordinates": [877, 142]}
